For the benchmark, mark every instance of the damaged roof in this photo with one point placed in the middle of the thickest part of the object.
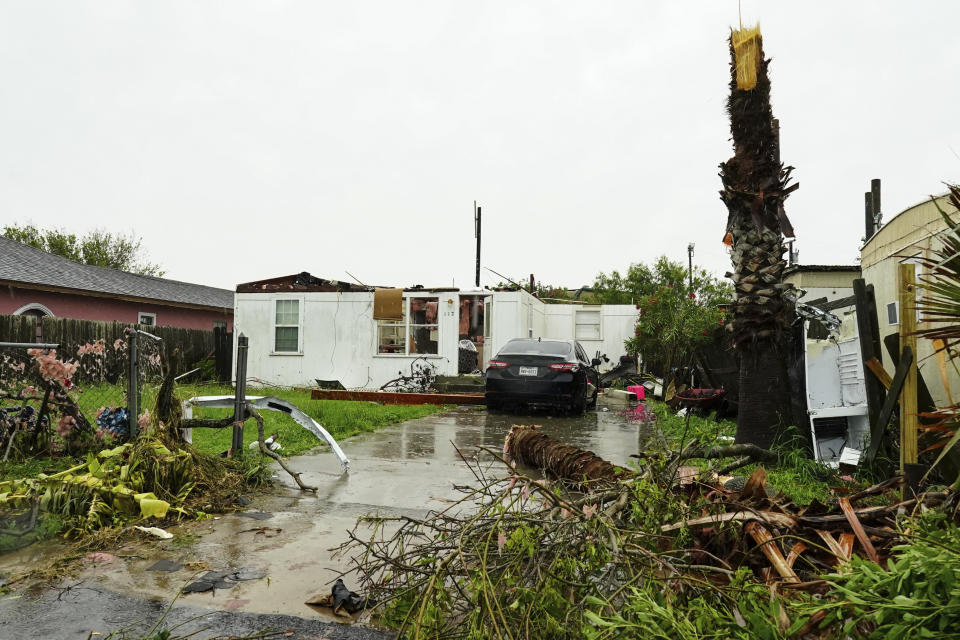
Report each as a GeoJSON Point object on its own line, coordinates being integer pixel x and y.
{"type": "Point", "coordinates": [820, 268]}
{"type": "Point", "coordinates": [304, 281]}
{"type": "Point", "coordinates": [23, 265]}
{"type": "Point", "coordinates": [299, 282]}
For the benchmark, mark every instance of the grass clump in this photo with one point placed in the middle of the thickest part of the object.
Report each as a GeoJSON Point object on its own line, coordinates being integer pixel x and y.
{"type": "Point", "coordinates": [796, 474]}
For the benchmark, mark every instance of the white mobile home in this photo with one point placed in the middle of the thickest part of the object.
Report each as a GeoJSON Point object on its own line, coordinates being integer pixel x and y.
{"type": "Point", "coordinates": [302, 328]}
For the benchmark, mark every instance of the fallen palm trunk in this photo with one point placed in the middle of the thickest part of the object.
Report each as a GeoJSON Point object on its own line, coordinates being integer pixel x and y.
{"type": "Point", "coordinates": [528, 445]}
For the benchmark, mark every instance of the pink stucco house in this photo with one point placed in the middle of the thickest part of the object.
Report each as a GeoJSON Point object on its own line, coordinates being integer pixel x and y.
{"type": "Point", "coordinates": [34, 282]}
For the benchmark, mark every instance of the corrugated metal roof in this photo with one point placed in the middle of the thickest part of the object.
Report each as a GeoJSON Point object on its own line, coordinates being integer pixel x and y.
{"type": "Point", "coordinates": [24, 264]}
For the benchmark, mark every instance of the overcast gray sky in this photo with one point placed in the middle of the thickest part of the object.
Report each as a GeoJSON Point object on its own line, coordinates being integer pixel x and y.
{"type": "Point", "coordinates": [247, 140]}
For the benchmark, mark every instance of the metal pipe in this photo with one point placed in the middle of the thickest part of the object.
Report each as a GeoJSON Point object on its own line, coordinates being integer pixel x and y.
{"type": "Point", "coordinates": [477, 230]}
{"type": "Point", "coordinates": [240, 398]}
{"type": "Point", "coordinates": [867, 216]}
{"type": "Point", "coordinates": [133, 386]}
{"type": "Point", "coordinates": [875, 192]}
{"type": "Point", "coordinates": [28, 345]}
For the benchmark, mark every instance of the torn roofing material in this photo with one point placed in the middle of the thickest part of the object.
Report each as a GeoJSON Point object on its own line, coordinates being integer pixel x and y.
{"type": "Point", "coordinates": [300, 282]}
{"type": "Point", "coordinates": [305, 282]}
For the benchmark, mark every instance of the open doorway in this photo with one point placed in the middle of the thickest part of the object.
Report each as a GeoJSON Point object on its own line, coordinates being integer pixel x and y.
{"type": "Point", "coordinates": [472, 334]}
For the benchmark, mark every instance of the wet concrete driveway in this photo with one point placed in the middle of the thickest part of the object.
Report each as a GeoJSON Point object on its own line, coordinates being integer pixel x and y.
{"type": "Point", "coordinates": [409, 468]}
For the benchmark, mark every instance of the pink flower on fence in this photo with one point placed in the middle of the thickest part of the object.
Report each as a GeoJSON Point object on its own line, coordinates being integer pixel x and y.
{"type": "Point", "coordinates": [65, 424]}
{"type": "Point", "coordinates": [144, 420]}
{"type": "Point", "coordinates": [53, 369]}
{"type": "Point", "coordinates": [119, 344]}
{"type": "Point", "coordinates": [91, 347]}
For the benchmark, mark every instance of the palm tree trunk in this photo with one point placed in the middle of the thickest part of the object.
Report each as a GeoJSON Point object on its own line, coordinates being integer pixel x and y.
{"type": "Point", "coordinates": [755, 186]}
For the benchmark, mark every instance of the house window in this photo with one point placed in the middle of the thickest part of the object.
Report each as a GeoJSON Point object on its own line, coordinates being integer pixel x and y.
{"type": "Point", "coordinates": [893, 313]}
{"type": "Point", "coordinates": [417, 333]}
{"type": "Point", "coordinates": [219, 324]}
{"type": "Point", "coordinates": [587, 324]}
{"type": "Point", "coordinates": [287, 326]}
{"type": "Point", "coordinates": [147, 319]}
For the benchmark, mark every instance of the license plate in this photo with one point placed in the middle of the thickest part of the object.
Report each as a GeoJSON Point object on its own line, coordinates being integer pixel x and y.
{"type": "Point", "coordinates": [528, 371]}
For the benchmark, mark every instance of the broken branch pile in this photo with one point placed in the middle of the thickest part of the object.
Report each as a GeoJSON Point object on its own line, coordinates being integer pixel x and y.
{"type": "Point", "coordinates": [631, 555]}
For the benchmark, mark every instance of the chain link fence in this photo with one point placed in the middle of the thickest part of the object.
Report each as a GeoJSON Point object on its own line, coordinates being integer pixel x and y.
{"type": "Point", "coordinates": [65, 399]}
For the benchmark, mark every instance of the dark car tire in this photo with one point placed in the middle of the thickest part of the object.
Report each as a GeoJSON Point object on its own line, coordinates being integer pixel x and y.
{"type": "Point", "coordinates": [494, 405]}
{"type": "Point", "coordinates": [579, 406]}
{"type": "Point", "coordinates": [592, 403]}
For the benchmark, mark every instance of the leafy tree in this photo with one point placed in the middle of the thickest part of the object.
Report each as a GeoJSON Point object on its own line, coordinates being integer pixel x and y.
{"type": "Point", "coordinates": [642, 281]}
{"type": "Point", "coordinates": [671, 325]}
{"type": "Point", "coordinates": [98, 247]}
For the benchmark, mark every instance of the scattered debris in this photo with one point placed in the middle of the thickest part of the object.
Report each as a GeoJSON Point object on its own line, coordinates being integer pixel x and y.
{"type": "Point", "coordinates": [603, 539]}
{"type": "Point", "coordinates": [341, 600]}
{"type": "Point", "coordinates": [169, 566]}
{"type": "Point", "coordinates": [271, 443]}
{"type": "Point", "coordinates": [155, 531]}
{"type": "Point", "coordinates": [223, 579]}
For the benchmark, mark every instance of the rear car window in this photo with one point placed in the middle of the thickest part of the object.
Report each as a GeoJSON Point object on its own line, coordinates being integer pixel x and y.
{"type": "Point", "coordinates": [533, 347]}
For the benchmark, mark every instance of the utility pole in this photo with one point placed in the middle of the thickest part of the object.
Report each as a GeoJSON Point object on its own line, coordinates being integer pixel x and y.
{"type": "Point", "coordinates": [690, 268]}
{"type": "Point", "coordinates": [476, 232]}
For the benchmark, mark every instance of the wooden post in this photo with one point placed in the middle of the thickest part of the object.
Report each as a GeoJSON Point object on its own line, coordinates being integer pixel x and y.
{"type": "Point", "coordinates": [875, 393]}
{"type": "Point", "coordinates": [240, 397]}
{"type": "Point", "coordinates": [908, 397]}
{"type": "Point", "coordinates": [133, 384]}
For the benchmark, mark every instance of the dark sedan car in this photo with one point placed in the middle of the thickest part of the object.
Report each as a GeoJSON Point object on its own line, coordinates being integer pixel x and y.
{"type": "Point", "coordinates": [541, 372]}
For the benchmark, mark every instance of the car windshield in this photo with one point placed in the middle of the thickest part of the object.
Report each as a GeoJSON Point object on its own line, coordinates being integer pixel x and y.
{"type": "Point", "coordinates": [536, 348]}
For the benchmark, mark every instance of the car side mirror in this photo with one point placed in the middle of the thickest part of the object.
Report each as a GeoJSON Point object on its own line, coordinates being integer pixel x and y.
{"type": "Point", "coordinates": [595, 362]}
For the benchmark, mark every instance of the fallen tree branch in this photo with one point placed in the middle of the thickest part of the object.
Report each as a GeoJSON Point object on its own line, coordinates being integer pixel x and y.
{"type": "Point", "coordinates": [252, 411]}
{"type": "Point", "coordinates": [769, 517]}
{"type": "Point", "coordinates": [729, 451]}
{"type": "Point", "coordinates": [736, 464]}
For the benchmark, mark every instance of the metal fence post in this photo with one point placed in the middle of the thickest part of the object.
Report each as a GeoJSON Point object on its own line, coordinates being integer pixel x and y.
{"type": "Point", "coordinates": [133, 385]}
{"type": "Point", "coordinates": [241, 395]}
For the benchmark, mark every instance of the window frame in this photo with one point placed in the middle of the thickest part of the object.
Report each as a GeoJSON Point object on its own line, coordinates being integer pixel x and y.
{"type": "Point", "coordinates": [599, 324]}
{"type": "Point", "coordinates": [149, 314]}
{"type": "Point", "coordinates": [407, 325]}
{"type": "Point", "coordinates": [274, 325]}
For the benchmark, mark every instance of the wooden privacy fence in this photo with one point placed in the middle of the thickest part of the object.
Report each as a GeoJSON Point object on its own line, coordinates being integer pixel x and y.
{"type": "Point", "coordinates": [194, 344]}
{"type": "Point", "coordinates": [18, 329]}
